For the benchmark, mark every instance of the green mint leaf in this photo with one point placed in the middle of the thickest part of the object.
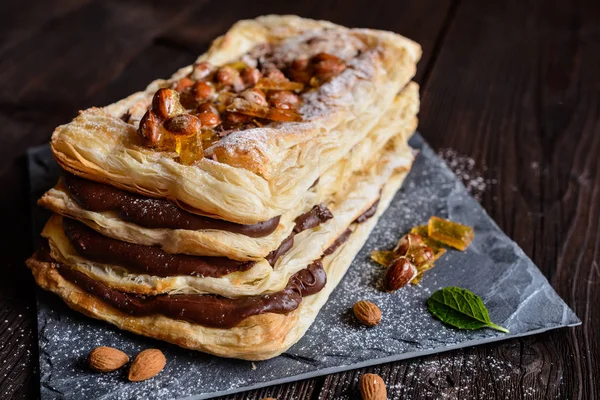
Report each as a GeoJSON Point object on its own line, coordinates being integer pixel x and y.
{"type": "Point", "coordinates": [461, 308]}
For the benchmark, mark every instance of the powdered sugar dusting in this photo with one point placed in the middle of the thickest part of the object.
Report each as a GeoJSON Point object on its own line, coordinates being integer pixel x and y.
{"type": "Point", "coordinates": [471, 175]}
{"type": "Point", "coordinates": [340, 42]}
{"type": "Point", "coordinates": [341, 91]}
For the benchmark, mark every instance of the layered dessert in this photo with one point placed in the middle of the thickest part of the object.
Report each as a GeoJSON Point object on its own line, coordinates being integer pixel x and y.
{"type": "Point", "coordinates": [218, 209]}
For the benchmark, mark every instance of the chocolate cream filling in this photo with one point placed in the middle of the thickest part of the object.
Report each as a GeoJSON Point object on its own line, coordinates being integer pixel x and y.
{"type": "Point", "coordinates": [145, 259]}
{"type": "Point", "coordinates": [207, 310]}
{"type": "Point", "coordinates": [154, 261]}
{"type": "Point", "coordinates": [152, 213]}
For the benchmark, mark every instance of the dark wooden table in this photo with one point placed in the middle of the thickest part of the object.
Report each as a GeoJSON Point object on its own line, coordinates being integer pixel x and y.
{"type": "Point", "coordinates": [514, 85]}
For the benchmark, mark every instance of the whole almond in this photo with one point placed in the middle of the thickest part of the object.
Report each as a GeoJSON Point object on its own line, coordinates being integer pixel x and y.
{"type": "Point", "coordinates": [399, 273]}
{"type": "Point", "coordinates": [146, 365]}
{"type": "Point", "coordinates": [367, 313]}
{"type": "Point", "coordinates": [107, 359]}
{"type": "Point", "coordinates": [372, 387]}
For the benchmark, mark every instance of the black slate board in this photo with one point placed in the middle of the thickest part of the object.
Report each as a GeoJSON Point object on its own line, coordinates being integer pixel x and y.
{"type": "Point", "coordinates": [515, 291]}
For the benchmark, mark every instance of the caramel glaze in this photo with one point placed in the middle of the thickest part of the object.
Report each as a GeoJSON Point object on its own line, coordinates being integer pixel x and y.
{"type": "Point", "coordinates": [207, 310]}
{"type": "Point", "coordinates": [152, 213]}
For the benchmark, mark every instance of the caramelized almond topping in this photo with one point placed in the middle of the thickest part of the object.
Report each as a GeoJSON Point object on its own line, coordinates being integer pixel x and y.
{"type": "Point", "coordinates": [272, 84]}
{"type": "Point", "coordinates": [250, 76]}
{"type": "Point", "coordinates": [165, 103]}
{"type": "Point", "coordinates": [255, 96]}
{"type": "Point", "coordinates": [246, 107]}
{"type": "Point", "coordinates": [327, 66]}
{"type": "Point", "coordinates": [150, 128]}
{"type": "Point", "coordinates": [201, 71]}
{"type": "Point", "coordinates": [183, 124]}
{"type": "Point", "coordinates": [183, 84]}
{"type": "Point", "coordinates": [274, 74]}
{"type": "Point", "coordinates": [209, 119]}
{"type": "Point", "coordinates": [211, 102]}
{"type": "Point", "coordinates": [284, 100]}
{"type": "Point", "coordinates": [203, 91]}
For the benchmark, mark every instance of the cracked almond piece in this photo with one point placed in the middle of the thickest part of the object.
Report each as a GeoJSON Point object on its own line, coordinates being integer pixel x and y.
{"type": "Point", "coordinates": [367, 313]}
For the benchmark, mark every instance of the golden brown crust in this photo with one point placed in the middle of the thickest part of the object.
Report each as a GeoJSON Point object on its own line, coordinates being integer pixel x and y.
{"type": "Point", "coordinates": [260, 172]}
{"type": "Point", "coordinates": [267, 330]}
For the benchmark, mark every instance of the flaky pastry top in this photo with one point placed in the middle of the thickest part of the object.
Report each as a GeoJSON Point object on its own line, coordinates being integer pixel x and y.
{"type": "Point", "coordinates": [250, 174]}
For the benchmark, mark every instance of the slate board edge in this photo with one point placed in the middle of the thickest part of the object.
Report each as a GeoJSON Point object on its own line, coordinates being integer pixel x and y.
{"type": "Point", "coordinates": [383, 360]}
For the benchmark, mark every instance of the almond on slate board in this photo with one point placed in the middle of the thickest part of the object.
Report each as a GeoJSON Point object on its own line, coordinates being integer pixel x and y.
{"type": "Point", "coordinates": [372, 387]}
{"type": "Point", "coordinates": [399, 273]}
{"type": "Point", "coordinates": [367, 313]}
{"type": "Point", "coordinates": [146, 365]}
{"type": "Point", "coordinates": [107, 359]}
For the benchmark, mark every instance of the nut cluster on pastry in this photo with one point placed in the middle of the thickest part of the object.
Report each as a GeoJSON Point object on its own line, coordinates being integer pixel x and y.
{"type": "Point", "coordinates": [211, 102]}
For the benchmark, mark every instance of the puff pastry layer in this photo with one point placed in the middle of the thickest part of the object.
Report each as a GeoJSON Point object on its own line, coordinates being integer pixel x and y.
{"type": "Point", "coordinates": [254, 174]}
{"type": "Point", "coordinates": [308, 245]}
{"type": "Point", "coordinates": [399, 121]}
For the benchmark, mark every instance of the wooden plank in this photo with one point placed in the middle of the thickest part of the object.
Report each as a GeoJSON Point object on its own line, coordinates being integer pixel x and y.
{"type": "Point", "coordinates": [515, 87]}
{"type": "Point", "coordinates": [20, 20]}
{"type": "Point", "coordinates": [421, 21]}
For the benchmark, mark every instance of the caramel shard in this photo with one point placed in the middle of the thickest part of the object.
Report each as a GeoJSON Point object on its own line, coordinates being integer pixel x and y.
{"type": "Point", "coordinates": [272, 84]}
{"type": "Point", "coordinates": [437, 247]}
{"type": "Point", "coordinates": [450, 233]}
{"type": "Point", "coordinates": [383, 257]}
{"type": "Point", "coordinates": [246, 107]}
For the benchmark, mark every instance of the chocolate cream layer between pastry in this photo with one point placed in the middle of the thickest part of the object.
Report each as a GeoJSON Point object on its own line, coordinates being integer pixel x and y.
{"type": "Point", "coordinates": [152, 213]}
{"type": "Point", "coordinates": [154, 261]}
{"type": "Point", "coordinates": [255, 338]}
{"type": "Point", "coordinates": [150, 270]}
{"type": "Point", "coordinates": [207, 310]}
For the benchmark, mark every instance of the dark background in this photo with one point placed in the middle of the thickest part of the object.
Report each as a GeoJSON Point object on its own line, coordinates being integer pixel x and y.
{"type": "Point", "coordinates": [515, 85]}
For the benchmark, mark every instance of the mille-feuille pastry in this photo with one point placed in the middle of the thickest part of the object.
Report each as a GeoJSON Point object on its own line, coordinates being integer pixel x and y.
{"type": "Point", "coordinates": [218, 209]}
